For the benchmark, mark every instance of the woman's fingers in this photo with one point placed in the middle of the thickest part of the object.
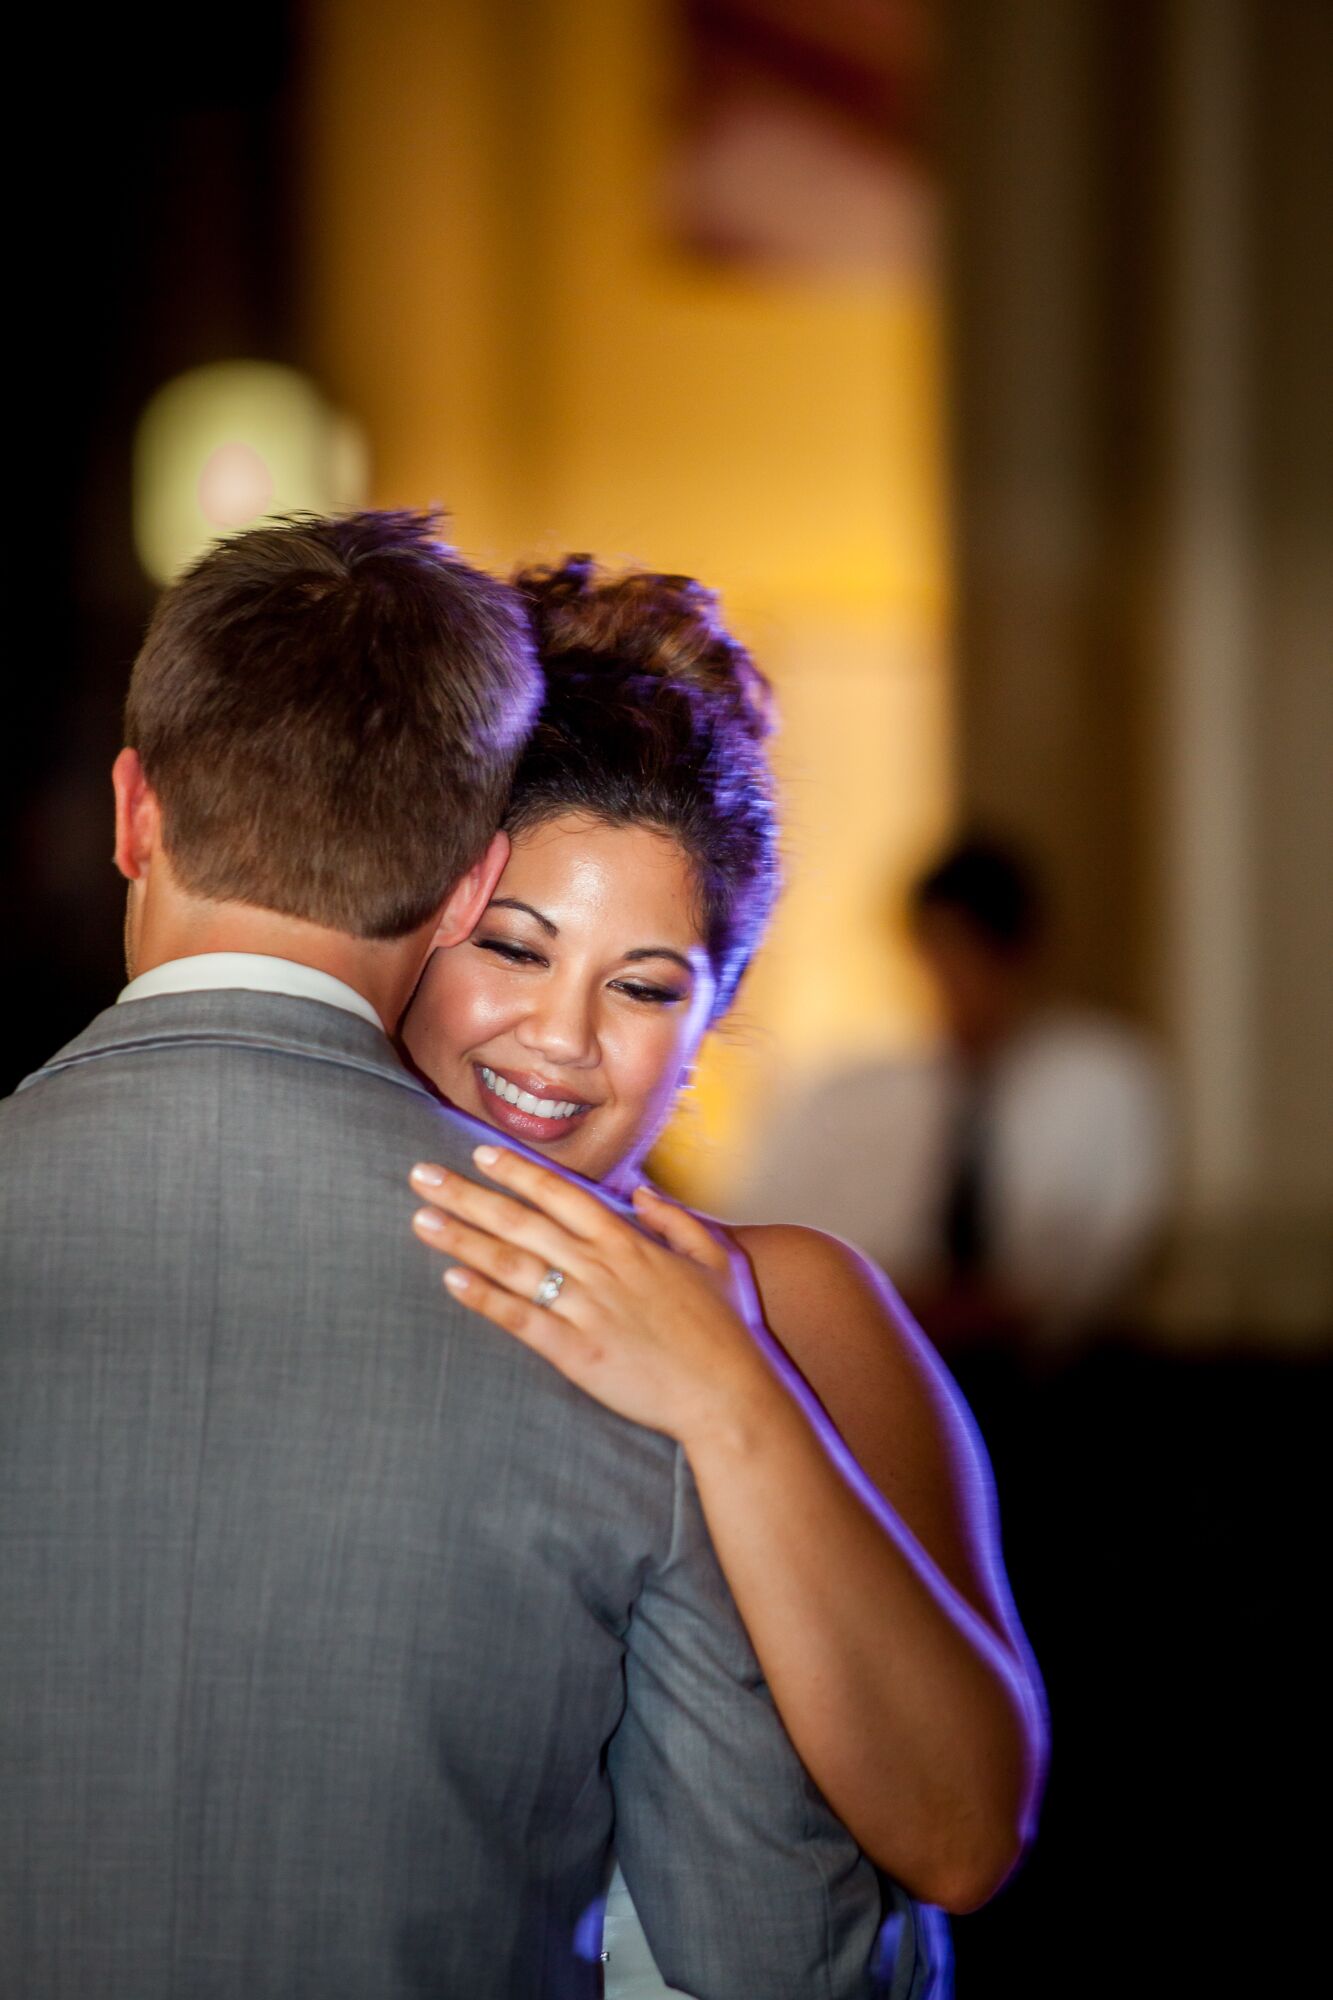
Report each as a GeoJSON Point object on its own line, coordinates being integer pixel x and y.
{"type": "Point", "coordinates": [646, 1328]}
{"type": "Point", "coordinates": [680, 1230]}
{"type": "Point", "coordinates": [518, 1271]}
{"type": "Point", "coordinates": [577, 1352]}
{"type": "Point", "coordinates": [498, 1214]}
{"type": "Point", "coordinates": [536, 1326]}
{"type": "Point", "coordinates": [580, 1212]}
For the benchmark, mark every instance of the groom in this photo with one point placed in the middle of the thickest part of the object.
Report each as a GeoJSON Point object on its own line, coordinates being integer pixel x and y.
{"type": "Point", "coordinates": [337, 1633]}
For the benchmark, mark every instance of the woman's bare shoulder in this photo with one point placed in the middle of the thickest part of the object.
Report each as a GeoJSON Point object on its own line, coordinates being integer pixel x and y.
{"type": "Point", "coordinates": [826, 1302]}
{"type": "Point", "coordinates": [883, 1385]}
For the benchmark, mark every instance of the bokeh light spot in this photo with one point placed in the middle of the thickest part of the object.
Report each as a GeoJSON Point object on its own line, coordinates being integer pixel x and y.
{"type": "Point", "coordinates": [226, 445]}
{"type": "Point", "coordinates": [235, 486]}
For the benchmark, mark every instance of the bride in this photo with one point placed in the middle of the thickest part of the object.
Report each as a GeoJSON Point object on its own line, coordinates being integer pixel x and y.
{"type": "Point", "coordinates": [864, 1556]}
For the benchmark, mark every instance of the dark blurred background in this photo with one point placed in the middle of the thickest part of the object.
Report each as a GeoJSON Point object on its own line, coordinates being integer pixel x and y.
{"type": "Point", "coordinates": [977, 351]}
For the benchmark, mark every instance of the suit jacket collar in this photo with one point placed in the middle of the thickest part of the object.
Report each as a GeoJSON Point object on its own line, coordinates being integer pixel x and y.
{"type": "Point", "coordinates": [231, 1018]}
{"type": "Point", "coordinates": [284, 1024]}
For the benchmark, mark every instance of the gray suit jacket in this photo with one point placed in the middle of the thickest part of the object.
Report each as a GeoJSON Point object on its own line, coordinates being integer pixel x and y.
{"type": "Point", "coordinates": [338, 1633]}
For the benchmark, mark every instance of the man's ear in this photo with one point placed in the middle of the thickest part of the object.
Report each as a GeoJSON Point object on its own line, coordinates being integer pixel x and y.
{"type": "Point", "coordinates": [138, 817]}
{"type": "Point", "coordinates": [471, 893]}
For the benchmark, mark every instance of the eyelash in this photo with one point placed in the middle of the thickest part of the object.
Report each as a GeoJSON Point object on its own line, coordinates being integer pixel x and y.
{"type": "Point", "coordinates": [513, 954]}
{"type": "Point", "coordinates": [517, 954]}
{"type": "Point", "coordinates": [651, 996]}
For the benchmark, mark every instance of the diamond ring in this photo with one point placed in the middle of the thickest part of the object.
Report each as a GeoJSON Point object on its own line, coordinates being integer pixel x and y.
{"type": "Point", "coordinates": [548, 1291]}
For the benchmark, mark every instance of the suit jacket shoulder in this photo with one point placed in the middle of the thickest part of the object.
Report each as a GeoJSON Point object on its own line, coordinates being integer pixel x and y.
{"type": "Point", "coordinates": [330, 1614]}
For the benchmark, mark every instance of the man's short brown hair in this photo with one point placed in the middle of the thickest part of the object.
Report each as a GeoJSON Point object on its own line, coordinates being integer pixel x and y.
{"type": "Point", "coordinates": [330, 712]}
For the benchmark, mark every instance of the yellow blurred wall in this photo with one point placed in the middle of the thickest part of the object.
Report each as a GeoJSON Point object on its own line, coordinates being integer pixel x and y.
{"type": "Point", "coordinates": [493, 292]}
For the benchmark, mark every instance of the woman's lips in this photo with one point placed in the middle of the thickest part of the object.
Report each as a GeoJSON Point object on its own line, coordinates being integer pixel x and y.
{"type": "Point", "coordinates": [527, 1124]}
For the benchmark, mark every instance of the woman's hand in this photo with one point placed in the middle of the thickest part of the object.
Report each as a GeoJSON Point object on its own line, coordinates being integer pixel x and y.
{"type": "Point", "coordinates": [910, 1696]}
{"type": "Point", "coordinates": [666, 1333]}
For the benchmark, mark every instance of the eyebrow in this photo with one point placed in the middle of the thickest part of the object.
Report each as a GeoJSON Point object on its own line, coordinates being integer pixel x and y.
{"type": "Point", "coordinates": [661, 951]}
{"type": "Point", "coordinates": [553, 930]}
{"type": "Point", "coordinates": [512, 903]}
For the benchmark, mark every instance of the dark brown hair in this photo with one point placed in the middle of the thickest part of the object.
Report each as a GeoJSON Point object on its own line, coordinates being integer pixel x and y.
{"type": "Point", "coordinates": [654, 716]}
{"type": "Point", "coordinates": [993, 886]}
{"type": "Point", "coordinates": [330, 711]}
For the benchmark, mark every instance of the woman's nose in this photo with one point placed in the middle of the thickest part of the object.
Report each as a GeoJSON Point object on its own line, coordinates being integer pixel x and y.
{"type": "Point", "coordinates": [560, 1026]}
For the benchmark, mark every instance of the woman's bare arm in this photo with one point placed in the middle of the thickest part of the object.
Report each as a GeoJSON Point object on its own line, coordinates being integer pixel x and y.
{"type": "Point", "coordinates": [886, 1631]}
{"type": "Point", "coordinates": [876, 1605]}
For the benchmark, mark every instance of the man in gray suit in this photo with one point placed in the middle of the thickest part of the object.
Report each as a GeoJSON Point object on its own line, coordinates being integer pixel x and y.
{"type": "Point", "coordinates": [337, 1630]}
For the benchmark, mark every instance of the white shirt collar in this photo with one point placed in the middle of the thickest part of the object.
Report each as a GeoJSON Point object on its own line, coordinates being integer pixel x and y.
{"type": "Point", "coordinates": [253, 972]}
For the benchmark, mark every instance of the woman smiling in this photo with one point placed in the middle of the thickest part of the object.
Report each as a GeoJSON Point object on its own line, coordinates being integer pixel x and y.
{"type": "Point", "coordinates": [846, 1492]}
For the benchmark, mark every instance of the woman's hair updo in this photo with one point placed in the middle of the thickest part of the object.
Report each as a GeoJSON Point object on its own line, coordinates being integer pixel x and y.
{"type": "Point", "coordinates": [654, 716]}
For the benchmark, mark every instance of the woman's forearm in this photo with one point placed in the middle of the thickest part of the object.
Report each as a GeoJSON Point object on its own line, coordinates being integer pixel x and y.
{"type": "Point", "coordinates": [916, 1720]}
{"type": "Point", "coordinates": [917, 1715]}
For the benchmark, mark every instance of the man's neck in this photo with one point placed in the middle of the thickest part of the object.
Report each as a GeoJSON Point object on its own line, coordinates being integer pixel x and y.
{"type": "Point", "coordinates": [383, 972]}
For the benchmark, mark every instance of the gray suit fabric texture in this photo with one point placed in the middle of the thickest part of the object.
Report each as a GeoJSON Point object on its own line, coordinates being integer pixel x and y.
{"type": "Point", "coordinates": [339, 1635]}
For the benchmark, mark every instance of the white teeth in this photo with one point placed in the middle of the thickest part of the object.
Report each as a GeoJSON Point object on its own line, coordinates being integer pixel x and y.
{"type": "Point", "coordinates": [535, 1107]}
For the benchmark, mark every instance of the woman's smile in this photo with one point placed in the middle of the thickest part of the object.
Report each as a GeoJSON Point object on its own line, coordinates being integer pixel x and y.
{"type": "Point", "coordinates": [534, 1108]}
{"type": "Point", "coordinates": [567, 1017]}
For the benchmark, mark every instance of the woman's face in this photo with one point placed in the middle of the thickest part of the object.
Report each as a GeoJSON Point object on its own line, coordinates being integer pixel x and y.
{"type": "Point", "coordinates": [582, 994]}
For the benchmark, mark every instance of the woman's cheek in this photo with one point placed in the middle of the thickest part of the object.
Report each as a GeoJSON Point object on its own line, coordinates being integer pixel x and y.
{"type": "Point", "coordinates": [486, 1005]}
{"type": "Point", "coordinates": [651, 1061]}
{"type": "Point", "coordinates": [456, 1009]}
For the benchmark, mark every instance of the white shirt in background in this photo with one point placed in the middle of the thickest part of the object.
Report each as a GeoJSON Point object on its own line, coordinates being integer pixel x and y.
{"type": "Point", "coordinates": [1078, 1162]}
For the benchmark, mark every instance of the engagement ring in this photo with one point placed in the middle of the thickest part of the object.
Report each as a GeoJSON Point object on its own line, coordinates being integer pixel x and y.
{"type": "Point", "coordinates": [548, 1291]}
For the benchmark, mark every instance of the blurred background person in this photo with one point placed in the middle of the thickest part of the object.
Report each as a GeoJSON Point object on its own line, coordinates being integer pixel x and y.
{"type": "Point", "coordinates": [1013, 1178]}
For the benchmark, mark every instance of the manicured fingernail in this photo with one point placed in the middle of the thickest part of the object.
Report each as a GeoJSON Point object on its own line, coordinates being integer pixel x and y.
{"type": "Point", "coordinates": [456, 1280]}
{"type": "Point", "coordinates": [430, 1220]}
{"type": "Point", "coordinates": [486, 1156]}
{"type": "Point", "coordinates": [428, 1175]}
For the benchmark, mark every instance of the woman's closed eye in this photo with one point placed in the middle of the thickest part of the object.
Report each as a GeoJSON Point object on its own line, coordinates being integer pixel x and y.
{"type": "Point", "coordinates": [513, 954]}
{"type": "Point", "coordinates": [645, 991]}
{"type": "Point", "coordinates": [651, 996]}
